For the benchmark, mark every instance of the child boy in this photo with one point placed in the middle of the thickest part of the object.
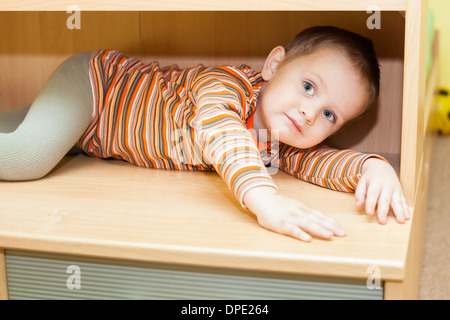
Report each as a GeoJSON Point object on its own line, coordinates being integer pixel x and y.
{"type": "Point", "coordinates": [201, 118]}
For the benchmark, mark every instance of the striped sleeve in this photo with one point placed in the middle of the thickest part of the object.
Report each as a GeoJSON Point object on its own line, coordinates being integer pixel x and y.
{"type": "Point", "coordinates": [330, 168]}
{"type": "Point", "coordinates": [221, 134]}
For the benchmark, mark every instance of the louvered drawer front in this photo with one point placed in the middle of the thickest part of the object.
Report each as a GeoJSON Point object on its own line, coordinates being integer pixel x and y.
{"type": "Point", "coordinates": [49, 276]}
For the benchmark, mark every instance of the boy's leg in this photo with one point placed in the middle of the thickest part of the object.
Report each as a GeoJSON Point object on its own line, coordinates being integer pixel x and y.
{"type": "Point", "coordinates": [10, 120]}
{"type": "Point", "coordinates": [53, 124]}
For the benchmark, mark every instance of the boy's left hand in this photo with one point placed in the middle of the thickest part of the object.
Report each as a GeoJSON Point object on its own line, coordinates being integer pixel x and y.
{"type": "Point", "coordinates": [380, 187]}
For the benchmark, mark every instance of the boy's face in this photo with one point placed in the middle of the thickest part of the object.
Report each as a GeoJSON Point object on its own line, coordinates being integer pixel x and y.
{"type": "Point", "coordinates": [310, 97]}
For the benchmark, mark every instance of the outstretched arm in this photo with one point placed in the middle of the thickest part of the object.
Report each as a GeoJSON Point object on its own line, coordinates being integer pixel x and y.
{"type": "Point", "coordinates": [370, 176]}
{"type": "Point", "coordinates": [221, 133]}
{"type": "Point", "coordinates": [327, 167]}
{"type": "Point", "coordinates": [226, 143]}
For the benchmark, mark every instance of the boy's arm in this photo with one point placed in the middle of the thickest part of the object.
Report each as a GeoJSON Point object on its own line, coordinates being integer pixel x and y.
{"type": "Point", "coordinates": [230, 148]}
{"type": "Point", "coordinates": [328, 167]}
{"type": "Point", "coordinates": [370, 176]}
{"type": "Point", "coordinates": [232, 151]}
{"type": "Point", "coordinates": [221, 134]}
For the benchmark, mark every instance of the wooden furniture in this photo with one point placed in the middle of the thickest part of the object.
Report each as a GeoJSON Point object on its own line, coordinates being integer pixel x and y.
{"type": "Point", "coordinates": [89, 208]}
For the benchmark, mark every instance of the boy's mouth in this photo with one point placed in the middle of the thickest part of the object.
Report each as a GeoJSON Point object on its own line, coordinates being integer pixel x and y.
{"type": "Point", "coordinates": [295, 124]}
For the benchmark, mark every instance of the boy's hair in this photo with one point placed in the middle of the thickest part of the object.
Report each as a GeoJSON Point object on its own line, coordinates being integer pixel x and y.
{"type": "Point", "coordinates": [358, 49]}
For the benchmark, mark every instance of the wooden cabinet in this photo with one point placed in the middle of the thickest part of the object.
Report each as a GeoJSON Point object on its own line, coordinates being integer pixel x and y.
{"type": "Point", "coordinates": [112, 210]}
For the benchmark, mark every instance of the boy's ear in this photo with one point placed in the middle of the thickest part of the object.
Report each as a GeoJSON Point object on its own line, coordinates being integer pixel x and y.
{"type": "Point", "coordinates": [272, 62]}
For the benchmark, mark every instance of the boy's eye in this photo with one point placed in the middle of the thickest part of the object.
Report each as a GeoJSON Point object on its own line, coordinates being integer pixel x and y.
{"type": "Point", "coordinates": [329, 115]}
{"type": "Point", "coordinates": [309, 88]}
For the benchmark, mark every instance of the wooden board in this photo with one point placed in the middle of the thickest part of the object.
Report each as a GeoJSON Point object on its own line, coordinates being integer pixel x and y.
{"type": "Point", "coordinates": [111, 209]}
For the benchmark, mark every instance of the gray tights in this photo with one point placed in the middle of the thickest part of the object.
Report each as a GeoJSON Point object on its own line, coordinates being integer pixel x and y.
{"type": "Point", "coordinates": [33, 139]}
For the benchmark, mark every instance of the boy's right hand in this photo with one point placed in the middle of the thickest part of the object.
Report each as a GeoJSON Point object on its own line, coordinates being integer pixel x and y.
{"type": "Point", "coordinates": [289, 216]}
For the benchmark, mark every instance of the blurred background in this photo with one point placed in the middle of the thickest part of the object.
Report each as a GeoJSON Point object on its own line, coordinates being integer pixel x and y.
{"type": "Point", "coordinates": [435, 279]}
{"type": "Point", "coordinates": [441, 12]}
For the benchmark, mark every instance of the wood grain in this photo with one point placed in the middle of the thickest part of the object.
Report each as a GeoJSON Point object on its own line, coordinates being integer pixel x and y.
{"type": "Point", "coordinates": [111, 209]}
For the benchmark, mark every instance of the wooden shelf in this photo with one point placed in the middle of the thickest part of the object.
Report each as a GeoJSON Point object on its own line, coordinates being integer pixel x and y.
{"type": "Point", "coordinates": [201, 5]}
{"type": "Point", "coordinates": [111, 209]}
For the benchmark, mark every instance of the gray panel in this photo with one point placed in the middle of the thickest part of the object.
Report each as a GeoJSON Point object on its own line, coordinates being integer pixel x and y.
{"type": "Point", "coordinates": [45, 276]}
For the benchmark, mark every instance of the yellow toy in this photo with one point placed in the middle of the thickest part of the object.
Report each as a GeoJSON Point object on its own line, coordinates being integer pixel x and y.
{"type": "Point", "coordinates": [441, 119]}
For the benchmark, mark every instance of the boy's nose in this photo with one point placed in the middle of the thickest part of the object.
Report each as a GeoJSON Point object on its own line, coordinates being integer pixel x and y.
{"type": "Point", "coordinates": [309, 114]}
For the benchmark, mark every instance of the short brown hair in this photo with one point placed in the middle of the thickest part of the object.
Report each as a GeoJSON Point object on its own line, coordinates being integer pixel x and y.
{"type": "Point", "coordinates": [358, 49]}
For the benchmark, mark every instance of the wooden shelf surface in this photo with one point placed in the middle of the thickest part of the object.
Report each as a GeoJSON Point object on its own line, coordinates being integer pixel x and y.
{"type": "Point", "coordinates": [134, 5]}
{"type": "Point", "coordinates": [111, 209]}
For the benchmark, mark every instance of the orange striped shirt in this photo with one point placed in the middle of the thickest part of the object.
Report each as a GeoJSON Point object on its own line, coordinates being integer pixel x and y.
{"type": "Point", "coordinates": [198, 118]}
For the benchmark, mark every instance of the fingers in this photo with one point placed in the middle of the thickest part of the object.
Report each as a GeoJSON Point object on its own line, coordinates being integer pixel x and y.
{"type": "Point", "coordinates": [379, 188]}
{"type": "Point", "coordinates": [291, 217]}
{"type": "Point", "coordinates": [360, 193]}
{"type": "Point", "coordinates": [315, 224]}
{"type": "Point", "coordinates": [373, 193]}
{"type": "Point", "coordinates": [405, 208]}
{"type": "Point", "coordinates": [296, 232]}
{"type": "Point", "coordinates": [384, 203]}
{"type": "Point", "coordinates": [383, 199]}
{"type": "Point", "coordinates": [400, 208]}
{"type": "Point", "coordinates": [328, 223]}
